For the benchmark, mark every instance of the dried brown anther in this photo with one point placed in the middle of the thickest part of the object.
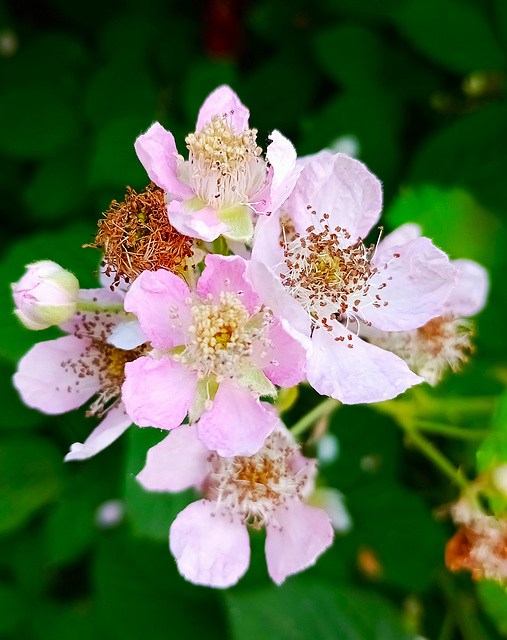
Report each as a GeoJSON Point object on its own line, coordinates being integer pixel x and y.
{"type": "Point", "coordinates": [136, 235]}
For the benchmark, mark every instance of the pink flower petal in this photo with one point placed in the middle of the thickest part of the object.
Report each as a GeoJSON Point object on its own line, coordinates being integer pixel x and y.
{"type": "Point", "coordinates": [127, 335]}
{"type": "Point", "coordinates": [45, 384]}
{"type": "Point", "coordinates": [158, 393]}
{"type": "Point", "coordinates": [272, 293]}
{"type": "Point", "coordinates": [158, 298]}
{"type": "Point", "coordinates": [179, 462]}
{"type": "Point", "coordinates": [295, 539]}
{"type": "Point", "coordinates": [114, 424]}
{"type": "Point", "coordinates": [212, 549]}
{"type": "Point", "coordinates": [224, 102]}
{"type": "Point", "coordinates": [156, 149]}
{"type": "Point", "coordinates": [237, 423]}
{"type": "Point", "coordinates": [203, 224]}
{"type": "Point", "coordinates": [418, 282]}
{"type": "Point", "coordinates": [266, 244]}
{"type": "Point", "coordinates": [341, 187]}
{"type": "Point", "coordinates": [284, 360]}
{"type": "Point", "coordinates": [363, 373]}
{"type": "Point", "coordinates": [471, 291]}
{"type": "Point", "coordinates": [282, 157]}
{"type": "Point", "coordinates": [227, 274]}
{"type": "Point", "coordinates": [399, 236]}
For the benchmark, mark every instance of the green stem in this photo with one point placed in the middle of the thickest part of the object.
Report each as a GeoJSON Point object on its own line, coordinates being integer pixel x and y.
{"type": "Point", "coordinates": [448, 626]}
{"type": "Point", "coordinates": [433, 454]}
{"type": "Point", "coordinates": [451, 431]}
{"type": "Point", "coordinates": [89, 305]}
{"type": "Point", "coordinates": [322, 409]}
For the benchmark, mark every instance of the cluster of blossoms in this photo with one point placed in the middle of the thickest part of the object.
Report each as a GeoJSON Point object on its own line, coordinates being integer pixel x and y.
{"type": "Point", "coordinates": [233, 275]}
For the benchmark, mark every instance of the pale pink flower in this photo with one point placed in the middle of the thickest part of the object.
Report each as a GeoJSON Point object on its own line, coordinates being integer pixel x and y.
{"type": "Point", "coordinates": [209, 538]}
{"type": "Point", "coordinates": [61, 375]}
{"type": "Point", "coordinates": [217, 349]}
{"type": "Point", "coordinates": [444, 342]}
{"type": "Point", "coordinates": [225, 178]}
{"type": "Point", "coordinates": [46, 295]}
{"type": "Point", "coordinates": [314, 245]}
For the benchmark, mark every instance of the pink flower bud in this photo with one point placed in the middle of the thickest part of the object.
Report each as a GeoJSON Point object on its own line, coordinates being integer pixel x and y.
{"type": "Point", "coordinates": [46, 295]}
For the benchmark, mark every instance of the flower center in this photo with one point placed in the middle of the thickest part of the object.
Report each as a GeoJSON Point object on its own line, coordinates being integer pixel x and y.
{"type": "Point", "coordinates": [442, 343]}
{"type": "Point", "coordinates": [253, 487]}
{"type": "Point", "coordinates": [100, 359]}
{"type": "Point", "coordinates": [329, 278]}
{"type": "Point", "coordinates": [226, 168]}
{"type": "Point", "coordinates": [223, 336]}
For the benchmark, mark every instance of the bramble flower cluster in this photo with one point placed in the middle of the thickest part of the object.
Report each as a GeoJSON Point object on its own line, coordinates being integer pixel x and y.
{"type": "Point", "coordinates": [235, 275]}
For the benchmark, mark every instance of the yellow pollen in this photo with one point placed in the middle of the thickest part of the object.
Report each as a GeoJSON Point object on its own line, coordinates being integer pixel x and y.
{"type": "Point", "coordinates": [117, 358]}
{"type": "Point", "coordinates": [220, 148]}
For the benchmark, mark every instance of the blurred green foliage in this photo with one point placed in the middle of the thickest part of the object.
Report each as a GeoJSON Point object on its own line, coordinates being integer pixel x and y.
{"type": "Point", "coordinates": [418, 87]}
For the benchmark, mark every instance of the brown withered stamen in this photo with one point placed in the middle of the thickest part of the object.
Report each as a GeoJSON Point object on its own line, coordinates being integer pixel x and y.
{"type": "Point", "coordinates": [136, 236]}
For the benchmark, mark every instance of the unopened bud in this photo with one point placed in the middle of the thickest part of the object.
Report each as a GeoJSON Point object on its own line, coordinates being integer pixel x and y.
{"type": "Point", "coordinates": [499, 478]}
{"type": "Point", "coordinates": [45, 296]}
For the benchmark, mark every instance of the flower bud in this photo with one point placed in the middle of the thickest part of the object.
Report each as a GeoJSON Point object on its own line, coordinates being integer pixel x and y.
{"type": "Point", "coordinates": [46, 295]}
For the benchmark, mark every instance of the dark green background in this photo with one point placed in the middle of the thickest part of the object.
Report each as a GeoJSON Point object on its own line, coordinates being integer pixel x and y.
{"type": "Point", "coordinates": [421, 86]}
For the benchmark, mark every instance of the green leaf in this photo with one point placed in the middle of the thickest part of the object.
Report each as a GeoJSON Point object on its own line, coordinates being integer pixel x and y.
{"type": "Point", "coordinates": [140, 594]}
{"type": "Point", "coordinates": [451, 33]}
{"type": "Point", "coordinates": [469, 153]}
{"type": "Point", "coordinates": [114, 162]}
{"type": "Point", "coordinates": [30, 478]}
{"type": "Point", "coordinates": [15, 415]}
{"type": "Point", "coordinates": [493, 450]}
{"type": "Point", "coordinates": [448, 217]}
{"type": "Point", "coordinates": [56, 190]}
{"type": "Point", "coordinates": [303, 609]}
{"type": "Point", "coordinates": [36, 122]}
{"type": "Point", "coordinates": [392, 521]}
{"type": "Point", "coordinates": [351, 55]}
{"type": "Point", "coordinates": [12, 609]}
{"type": "Point", "coordinates": [150, 513]}
{"type": "Point", "coordinates": [493, 598]}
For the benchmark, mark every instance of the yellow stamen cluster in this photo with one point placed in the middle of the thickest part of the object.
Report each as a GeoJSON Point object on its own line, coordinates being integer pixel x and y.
{"type": "Point", "coordinates": [222, 335]}
{"type": "Point", "coordinates": [220, 148]}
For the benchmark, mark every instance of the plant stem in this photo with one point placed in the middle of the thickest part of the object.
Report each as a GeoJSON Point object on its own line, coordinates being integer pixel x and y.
{"type": "Point", "coordinates": [433, 454]}
{"type": "Point", "coordinates": [448, 626]}
{"type": "Point", "coordinates": [451, 431]}
{"type": "Point", "coordinates": [89, 305]}
{"type": "Point", "coordinates": [322, 409]}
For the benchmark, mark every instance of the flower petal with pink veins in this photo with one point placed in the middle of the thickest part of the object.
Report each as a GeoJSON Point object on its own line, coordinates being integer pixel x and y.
{"type": "Point", "coordinates": [156, 149]}
{"type": "Point", "coordinates": [223, 102]}
{"type": "Point", "coordinates": [158, 299]}
{"type": "Point", "coordinates": [237, 423]}
{"type": "Point", "coordinates": [177, 463]}
{"type": "Point", "coordinates": [283, 361]}
{"type": "Point", "coordinates": [341, 187]}
{"type": "Point", "coordinates": [114, 424]}
{"type": "Point", "coordinates": [418, 279]}
{"type": "Point", "coordinates": [227, 274]}
{"type": "Point", "coordinates": [158, 393]}
{"type": "Point", "coordinates": [363, 373]}
{"type": "Point", "coordinates": [471, 291]}
{"type": "Point", "coordinates": [273, 294]}
{"type": "Point", "coordinates": [211, 549]}
{"type": "Point", "coordinates": [284, 172]}
{"type": "Point", "coordinates": [45, 384]}
{"type": "Point", "coordinates": [295, 538]}
{"type": "Point", "coordinates": [202, 223]}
